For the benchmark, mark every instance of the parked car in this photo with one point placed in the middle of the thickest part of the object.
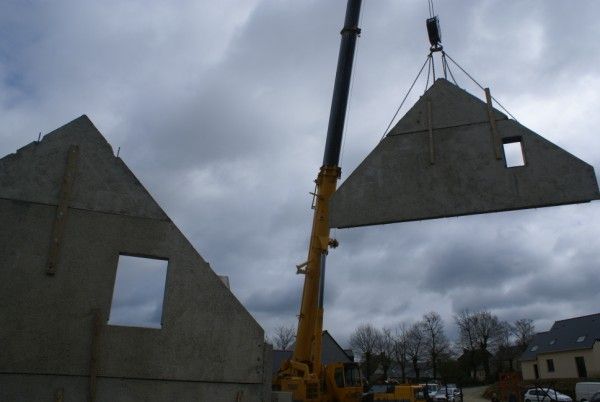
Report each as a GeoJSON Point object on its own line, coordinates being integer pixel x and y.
{"type": "Point", "coordinates": [585, 390]}
{"type": "Point", "coordinates": [447, 394]}
{"type": "Point", "coordinates": [545, 395]}
{"type": "Point", "coordinates": [431, 390]}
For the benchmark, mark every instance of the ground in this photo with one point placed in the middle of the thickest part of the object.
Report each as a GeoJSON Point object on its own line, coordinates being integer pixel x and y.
{"type": "Point", "coordinates": [474, 394]}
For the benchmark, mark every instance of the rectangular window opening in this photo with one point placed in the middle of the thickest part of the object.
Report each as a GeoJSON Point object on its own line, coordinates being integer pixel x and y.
{"type": "Point", "coordinates": [513, 152]}
{"type": "Point", "coordinates": [581, 369]}
{"type": "Point", "coordinates": [550, 363]}
{"type": "Point", "coordinates": [139, 292]}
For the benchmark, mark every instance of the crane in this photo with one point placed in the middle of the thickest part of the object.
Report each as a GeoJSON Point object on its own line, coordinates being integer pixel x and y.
{"type": "Point", "coordinates": [303, 374]}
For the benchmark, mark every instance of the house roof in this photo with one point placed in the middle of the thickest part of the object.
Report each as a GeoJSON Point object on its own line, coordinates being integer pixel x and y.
{"type": "Point", "coordinates": [331, 352]}
{"type": "Point", "coordinates": [509, 352]}
{"type": "Point", "coordinates": [570, 334]}
{"type": "Point", "coordinates": [479, 355]}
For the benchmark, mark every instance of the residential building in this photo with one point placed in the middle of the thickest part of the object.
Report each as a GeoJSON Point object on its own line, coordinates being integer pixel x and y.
{"type": "Point", "coordinates": [508, 358]}
{"type": "Point", "coordinates": [570, 349]}
{"type": "Point", "coordinates": [474, 363]}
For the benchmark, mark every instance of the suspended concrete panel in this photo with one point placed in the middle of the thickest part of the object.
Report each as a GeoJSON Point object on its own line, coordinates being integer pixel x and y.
{"type": "Point", "coordinates": [444, 159]}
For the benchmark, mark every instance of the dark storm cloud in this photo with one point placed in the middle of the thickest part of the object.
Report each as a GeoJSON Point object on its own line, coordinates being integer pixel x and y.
{"type": "Point", "coordinates": [472, 265]}
{"type": "Point", "coordinates": [221, 108]}
{"type": "Point", "coordinates": [272, 300]}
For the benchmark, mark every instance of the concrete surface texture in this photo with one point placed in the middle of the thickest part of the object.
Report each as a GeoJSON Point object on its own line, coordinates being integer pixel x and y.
{"type": "Point", "coordinates": [452, 170]}
{"type": "Point", "coordinates": [209, 348]}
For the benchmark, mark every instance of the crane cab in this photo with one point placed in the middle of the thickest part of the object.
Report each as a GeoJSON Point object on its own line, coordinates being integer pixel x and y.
{"type": "Point", "coordinates": [342, 382]}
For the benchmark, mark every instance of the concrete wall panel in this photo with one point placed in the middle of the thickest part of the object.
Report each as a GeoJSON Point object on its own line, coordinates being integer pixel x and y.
{"type": "Point", "coordinates": [451, 107]}
{"type": "Point", "coordinates": [51, 316]}
{"type": "Point", "coordinates": [397, 182]}
{"type": "Point", "coordinates": [103, 182]}
{"type": "Point", "coordinates": [209, 346]}
{"type": "Point", "coordinates": [38, 388]}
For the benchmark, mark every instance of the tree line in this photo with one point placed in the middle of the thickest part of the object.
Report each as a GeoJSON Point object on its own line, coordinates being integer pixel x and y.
{"type": "Point", "coordinates": [425, 345]}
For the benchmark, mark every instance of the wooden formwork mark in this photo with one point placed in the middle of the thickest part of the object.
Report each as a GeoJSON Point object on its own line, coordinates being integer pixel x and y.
{"type": "Point", "coordinates": [61, 210]}
{"type": "Point", "coordinates": [493, 128]}
{"type": "Point", "coordinates": [430, 125]}
{"type": "Point", "coordinates": [97, 325]}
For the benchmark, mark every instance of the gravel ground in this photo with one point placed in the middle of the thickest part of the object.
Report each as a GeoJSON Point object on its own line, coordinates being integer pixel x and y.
{"type": "Point", "coordinates": [473, 394]}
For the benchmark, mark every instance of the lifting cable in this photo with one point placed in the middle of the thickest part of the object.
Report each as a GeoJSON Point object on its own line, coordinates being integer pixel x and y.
{"type": "Point", "coordinates": [480, 86]}
{"type": "Point", "coordinates": [405, 97]}
{"type": "Point", "coordinates": [435, 40]}
{"type": "Point", "coordinates": [444, 60]}
{"type": "Point", "coordinates": [430, 62]}
{"type": "Point", "coordinates": [431, 10]}
{"type": "Point", "coordinates": [430, 59]}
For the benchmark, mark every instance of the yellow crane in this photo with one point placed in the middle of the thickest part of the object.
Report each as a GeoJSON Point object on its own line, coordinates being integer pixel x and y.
{"type": "Point", "coordinates": [303, 374]}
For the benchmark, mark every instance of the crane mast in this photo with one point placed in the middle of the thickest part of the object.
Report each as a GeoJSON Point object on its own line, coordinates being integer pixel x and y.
{"type": "Point", "coordinates": [307, 353]}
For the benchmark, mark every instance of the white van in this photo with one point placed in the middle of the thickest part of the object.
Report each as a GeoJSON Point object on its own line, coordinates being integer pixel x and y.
{"type": "Point", "coordinates": [585, 390]}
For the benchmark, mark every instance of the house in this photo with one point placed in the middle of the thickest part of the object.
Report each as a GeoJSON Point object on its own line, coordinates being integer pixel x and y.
{"type": "Point", "coordinates": [73, 218]}
{"type": "Point", "coordinates": [331, 352]}
{"type": "Point", "coordinates": [570, 349]}
{"type": "Point", "coordinates": [507, 358]}
{"type": "Point", "coordinates": [474, 363]}
{"type": "Point", "coordinates": [395, 372]}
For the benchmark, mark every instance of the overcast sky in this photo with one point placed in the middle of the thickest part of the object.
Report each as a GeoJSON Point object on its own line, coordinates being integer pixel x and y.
{"type": "Point", "coordinates": [220, 108]}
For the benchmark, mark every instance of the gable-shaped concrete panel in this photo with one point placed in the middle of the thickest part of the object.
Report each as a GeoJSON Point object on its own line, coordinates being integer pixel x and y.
{"type": "Point", "coordinates": [103, 182]}
{"type": "Point", "coordinates": [208, 344]}
{"type": "Point", "coordinates": [451, 106]}
{"type": "Point", "coordinates": [397, 181]}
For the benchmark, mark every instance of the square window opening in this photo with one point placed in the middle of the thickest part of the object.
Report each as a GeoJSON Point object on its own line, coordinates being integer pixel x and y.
{"type": "Point", "coordinates": [513, 152]}
{"type": "Point", "coordinates": [139, 290]}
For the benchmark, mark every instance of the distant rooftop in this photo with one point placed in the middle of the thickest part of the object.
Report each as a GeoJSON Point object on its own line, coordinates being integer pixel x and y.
{"type": "Point", "coordinates": [570, 334]}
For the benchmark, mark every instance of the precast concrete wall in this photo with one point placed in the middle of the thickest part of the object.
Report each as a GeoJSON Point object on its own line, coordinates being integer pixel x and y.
{"type": "Point", "coordinates": [55, 339]}
{"type": "Point", "coordinates": [445, 159]}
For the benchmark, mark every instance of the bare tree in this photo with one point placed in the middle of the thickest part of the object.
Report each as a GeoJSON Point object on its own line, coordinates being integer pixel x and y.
{"type": "Point", "coordinates": [467, 338]}
{"type": "Point", "coordinates": [415, 346]}
{"type": "Point", "coordinates": [401, 340]}
{"type": "Point", "coordinates": [284, 337]}
{"type": "Point", "coordinates": [435, 339]}
{"type": "Point", "coordinates": [364, 340]}
{"type": "Point", "coordinates": [488, 330]}
{"type": "Point", "coordinates": [385, 350]}
{"type": "Point", "coordinates": [523, 330]}
{"type": "Point", "coordinates": [505, 334]}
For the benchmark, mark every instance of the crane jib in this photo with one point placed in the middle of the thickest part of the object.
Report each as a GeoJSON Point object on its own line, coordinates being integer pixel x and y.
{"type": "Point", "coordinates": [341, 89]}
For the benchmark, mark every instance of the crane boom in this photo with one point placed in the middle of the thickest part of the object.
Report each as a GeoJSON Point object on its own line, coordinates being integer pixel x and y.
{"type": "Point", "coordinates": [311, 313]}
{"type": "Point", "coordinates": [303, 373]}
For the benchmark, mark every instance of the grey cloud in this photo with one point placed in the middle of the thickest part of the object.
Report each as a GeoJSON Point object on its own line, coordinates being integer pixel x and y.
{"type": "Point", "coordinates": [221, 109]}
